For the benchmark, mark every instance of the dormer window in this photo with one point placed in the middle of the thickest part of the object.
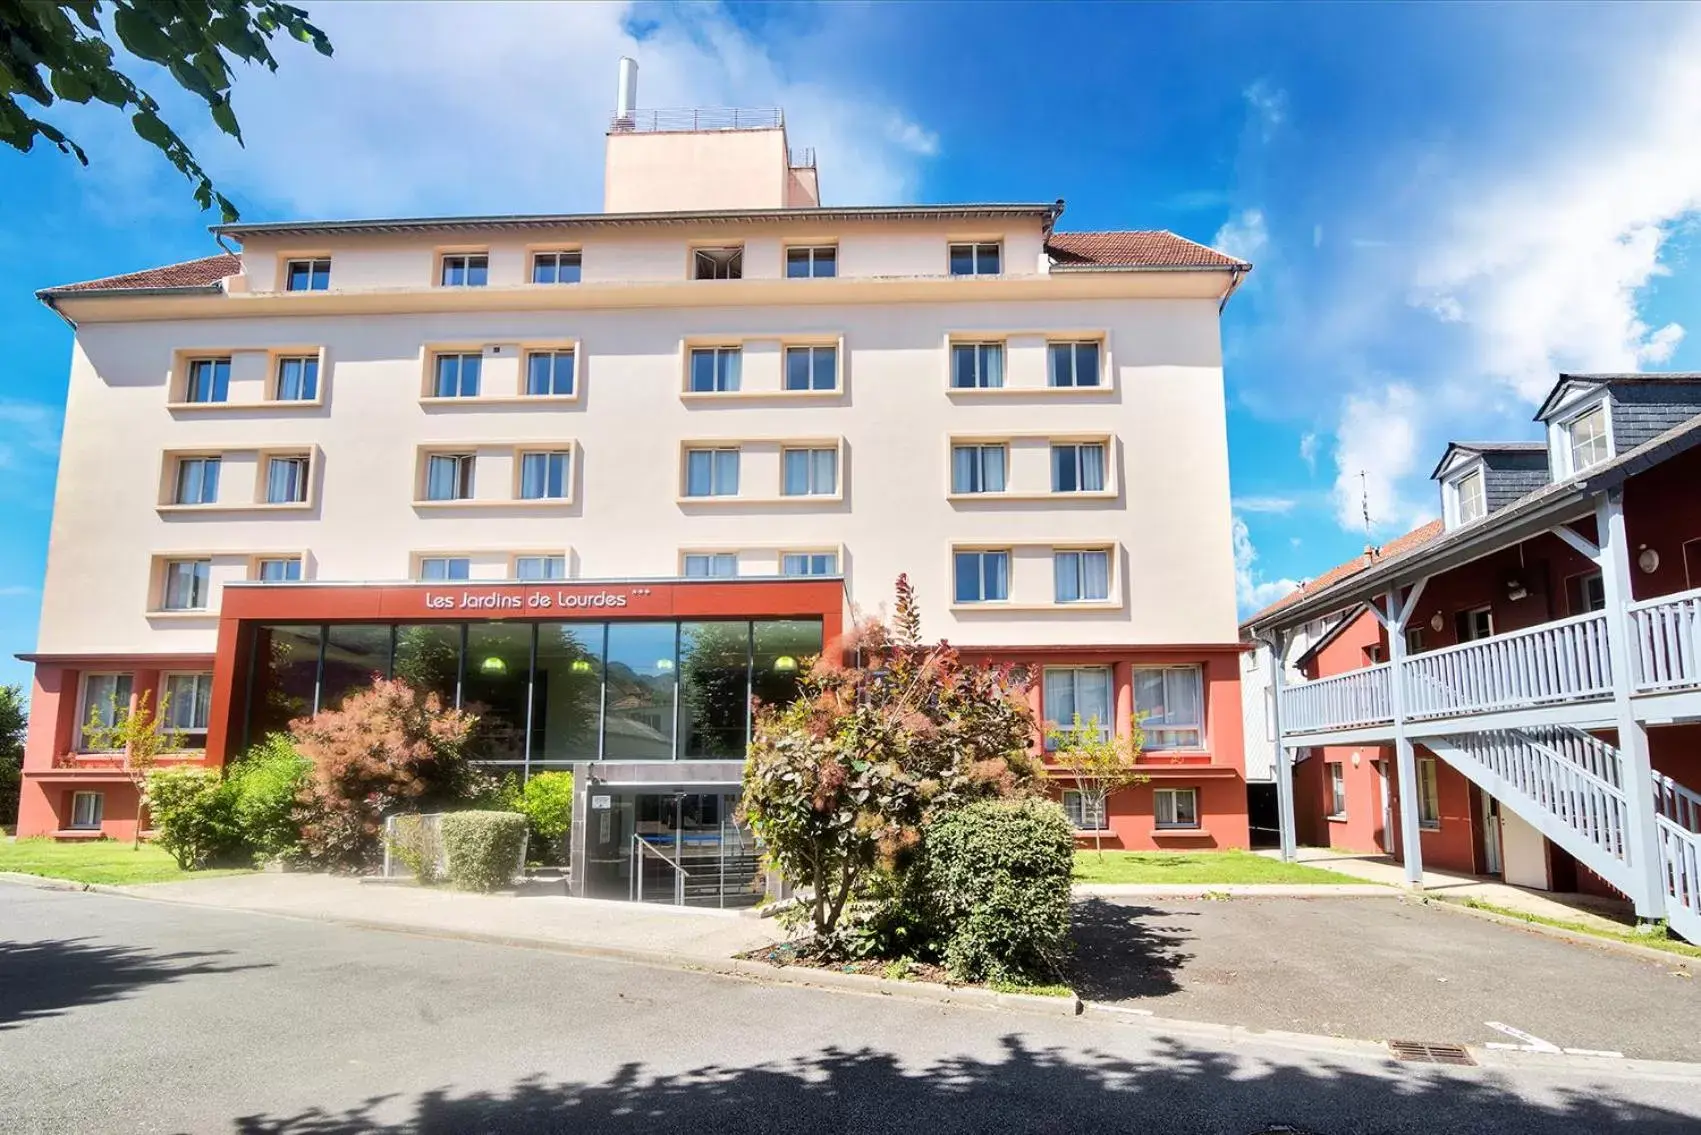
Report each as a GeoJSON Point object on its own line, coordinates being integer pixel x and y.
{"type": "Point", "coordinates": [1586, 437]}
{"type": "Point", "coordinates": [1466, 498]}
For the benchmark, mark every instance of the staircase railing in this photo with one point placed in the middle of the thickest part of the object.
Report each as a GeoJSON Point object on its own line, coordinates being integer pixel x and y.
{"type": "Point", "coordinates": [1358, 697]}
{"type": "Point", "coordinates": [642, 847]}
{"type": "Point", "coordinates": [1680, 870]}
{"type": "Point", "coordinates": [1676, 803]}
{"type": "Point", "coordinates": [1561, 661]}
{"type": "Point", "coordinates": [1665, 637]}
{"type": "Point", "coordinates": [1588, 804]}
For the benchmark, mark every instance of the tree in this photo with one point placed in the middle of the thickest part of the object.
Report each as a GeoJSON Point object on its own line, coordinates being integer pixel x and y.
{"type": "Point", "coordinates": [61, 51]}
{"type": "Point", "coordinates": [1100, 763]}
{"type": "Point", "coordinates": [141, 735]}
{"type": "Point", "coordinates": [14, 716]}
{"type": "Point", "coordinates": [906, 614]}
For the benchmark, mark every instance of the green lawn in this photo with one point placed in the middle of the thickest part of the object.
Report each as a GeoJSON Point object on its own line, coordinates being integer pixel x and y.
{"type": "Point", "coordinates": [1196, 867]}
{"type": "Point", "coordinates": [95, 861]}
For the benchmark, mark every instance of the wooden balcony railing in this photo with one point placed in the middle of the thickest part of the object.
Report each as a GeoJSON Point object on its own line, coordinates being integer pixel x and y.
{"type": "Point", "coordinates": [1359, 697]}
{"type": "Point", "coordinates": [1555, 662]}
{"type": "Point", "coordinates": [1665, 638]}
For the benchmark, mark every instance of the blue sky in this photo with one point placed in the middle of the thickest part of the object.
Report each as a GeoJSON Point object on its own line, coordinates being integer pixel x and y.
{"type": "Point", "coordinates": [1446, 203]}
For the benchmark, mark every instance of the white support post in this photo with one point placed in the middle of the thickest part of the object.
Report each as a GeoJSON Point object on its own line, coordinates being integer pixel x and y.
{"type": "Point", "coordinates": [1647, 889]}
{"type": "Point", "coordinates": [1276, 644]}
{"type": "Point", "coordinates": [1411, 842]}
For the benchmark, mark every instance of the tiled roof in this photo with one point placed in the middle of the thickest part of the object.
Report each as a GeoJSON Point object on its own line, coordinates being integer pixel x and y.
{"type": "Point", "coordinates": [202, 273]}
{"type": "Point", "coordinates": [1147, 248]}
{"type": "Point", "coordinates": [1399, 545]}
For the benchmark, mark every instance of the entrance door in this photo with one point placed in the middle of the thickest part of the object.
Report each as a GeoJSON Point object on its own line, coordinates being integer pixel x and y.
{"type": "Point", "coordinates": [1490, 834]}
{"type": "Point", "coordinates": [686, 848]}
{"type": "Point", "coordinates": [1386, 835]}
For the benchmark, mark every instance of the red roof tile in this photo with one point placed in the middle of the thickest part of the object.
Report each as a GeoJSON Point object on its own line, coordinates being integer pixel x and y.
{"type": "Point", "coordinates": [1399, 545]}
{"type": "Point", "coordinates": [1149, 248]}
{"type": "Point", "coordinates": [206, 271]}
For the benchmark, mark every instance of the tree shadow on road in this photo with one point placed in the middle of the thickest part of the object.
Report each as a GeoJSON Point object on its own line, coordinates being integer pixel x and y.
{"type": "Point", "coordinates": [1175, 1090]}
{"type": "Point", "coordinates": [45, 978]}
{"type": "Point", "coordinates": [1125, 951]}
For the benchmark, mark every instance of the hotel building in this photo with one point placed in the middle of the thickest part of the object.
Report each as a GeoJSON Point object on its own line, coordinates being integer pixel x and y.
{"type": "Point", "coordinates": [605, 476]}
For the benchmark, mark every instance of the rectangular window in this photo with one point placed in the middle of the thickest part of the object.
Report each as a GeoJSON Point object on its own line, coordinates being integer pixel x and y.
{"type": "Point", "coordinates": [197, 481]}
{"type": "Point", "coordinates": [1077, 468]}
{"type": "Point", "coordinates": [977, 468]}
{"type": "Point", "coordinates": [465, 270]}
{"type": "Point", "coordinates": [435, 568]}
{"type": "Point", "coordinates": [1085, 813]}
{"type": "Point", "coordinates": [106, 698]}
{"type": "Point", "coordinates": [977, 366]}
{"type": "Point", "coordinates": [281, 569]}
{"type": "Point", "coordinates": [982, 577]}
{"type": "Point", "coordinates": [208, 381]}
{"type": "Point", "coordinates": [809, 563]}
{"type": "Point", "coordinates": [715, 370]}
{"type": "Point", "coordinates": [1176, 807]}
{"type": "Point", "coordinates": [1081, 577]}
{"type": "Point", "coordinates": [86, 810]}
{"type": "Point", "coordinates": [1468, 626]}
{"type": "Point", "coordinates": [540, 567]}
{"type": "Point", "coordinates": [711, 565]}
{"type": "Point", "coordinates": [711, 472]}
{"type": "Point", "coordinates": [1337, 788]}
{"type": "Point", "coordinates": [449, 477]}
{"type": "Point", "coordinates": [187, 583]}
{"type": "Point", "coordinates": [1084, 692]}
{"type": "Point", "coordinates": [1473, 505]}
{"type": "Point", "coordinates": [297, 379]}
{"type": "Point", "coordinates": [1429, 795]}
{"type": "Point", "coordinates": [549, 373]}
{"type": "Point", "coordinates": [556, 267]}
{"type": "Point", "coordinates": [817, 262]}
{"type": "Point", "coordinates": [545, 476]}
{"type": "Point", "coordinates": [287, 478]}
{"type": "Point", "coordinates": [1171, 704]}
{"type": "Point", "coordinates": [456, 376]}
{"type": "Point", "coordinates": [1074, 364]}
{"type": "Point", "coordinates": [812, 368]}
{"type": "Point", "coordinates": [1373, 654]}
{"type": "Point", "coordinates": [1585, 593]}
{"type": "Point", "coordinates": [311, 275]}
{"type": "Point", "coordinates": [1588, 436]}
{"type": "Point", "coordinates": [1414, 640]}
{"type": "Point", "coordinates": [810, 472]}
{"type": "Point", "coordinates": [718, 263]}
{"type": "Point", "coordinates": [979, 259]}
{"type": "Point", "coordinates": [188, 698]}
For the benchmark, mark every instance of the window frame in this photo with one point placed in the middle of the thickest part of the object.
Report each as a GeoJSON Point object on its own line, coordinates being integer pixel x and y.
{"type": "Point", "coordinates": [980, 554]}
{"type": "Point", "coordinates": [303, 481]}
{"type": "Point", "coordinates": [549, 560]}
{"type": "Point", "coordinates": [1475, 474]}
{"type": "Point", "coordinates": [1081, 577]}
{"type": "Point", "coordinates": [814, 255]}
{"type": "Point", "coordinates": [311, 367]}
{"type": "Point", "coordinates": [1467, 617]}
{"type": "Point", "coordinates": [1087, 807]}
{"type": "Point", "coordinates": [977, 249]}
{"type": "Point", "coordinates": [219, 385]}
{"type": "Point", "coordinates": [99, 811]}
{"type": "Point", "coordinates": [1335, 781]}
{"type": "Point", "coordinates": [549, 454]}
{"type": "Point", "coordinates": [980, 450]}
{"type": "Point", "coordinates": [1583, 585]}
{"type": "Point", "coordinates": [466, 464]}
{"type": "Point", "coordinates": [711, 560]}
{"type": "Point", "coordinates": [1107, 720]}
{"type": "Point", "coordinates": [706, 253]}
{"type": "Point", "coordinates": [559, 256]}
{"type": "Point", "coordinates": [313, 273]}
{"type": "Point", "coordinates": [830, 565]}
{"type": "Point", "coordinates": [465, 261]}
{"type": "Point", "coordinates": [258, 573]}
{"type": "Point", "coordinates": [980, 347]}
{"type": "Point", "coordinates": [434, 374]}
{"type": "Point", "coordinates": [813, 456]}
{"type": "Point", "coordinates": [1175, 824]}
{"type": "Point", "coordinates": [716, 470]}
{"type": "Point", "coordinates": [725, 378]}
{"type": "Point", "coordinates": [84, 705]}
{"type": "Point", "coordinates": [448, 560]}
{"type": "Point", "coordinates": [192, 730]}
{"type": "Point", "coordinates": [205, 580]}
{"type": "Point", "coordinates": [555, 355]}
{"type": "Point", "coordinates": [1429, 795]}
{"type": "Point", "coordinates": [1200, 741]}
{"type": "Point", "coordinates": [1603, 440]}
{"type": "Point", "coordinates": [813, 351]}
{"type": "Point", "coordinates": [1079, 467]}
{"type": "Point", "coordinates": [181, 463]}
{"type": "Point", "coordinates": [1052, 347]}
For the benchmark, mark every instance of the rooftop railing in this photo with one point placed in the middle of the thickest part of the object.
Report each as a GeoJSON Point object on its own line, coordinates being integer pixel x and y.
{"type": "Point", "coordinates": [688, 120]}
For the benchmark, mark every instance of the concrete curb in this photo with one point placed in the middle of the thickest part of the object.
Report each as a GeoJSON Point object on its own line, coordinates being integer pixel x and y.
{"type": "Point", "coordinates": [1579, 937]}
{"type": "Point", "coordinates": [869, 985]}
{"type": "Point", "coordinates": [46, 882]}
{"type": "Point", "coordinates": [1235, 890]}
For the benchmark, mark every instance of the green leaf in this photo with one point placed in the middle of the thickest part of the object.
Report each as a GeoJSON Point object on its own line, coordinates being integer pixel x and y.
{"type": "Point", "coordinates": [152, 129]}
{"type": "Point", "coordinates": [226, 118]}
{"type": "Point", "coordinates": [139, 33]}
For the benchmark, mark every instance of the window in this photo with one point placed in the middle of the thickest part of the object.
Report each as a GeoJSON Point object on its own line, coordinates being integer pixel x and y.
{"type": "Point", "coordinates": [1429, 796]}
{"type": "Point", "coordinates": [540, 567]}
{"type": "Point", "coordinates": [718, 263]}
{"type": "Point", "coordinates": [1587, 434]}
{"type": "Point", "coordinates": [449, 477]}
{"type": "Point", "coordinates": [812, 368]}
{"type": "Point", "coordinates": [1170, 701]}
{"type": "Point", "coordinates": [545, 476]}
{"type": "Point", "coordinates": [1176, 807]}
{"type": "Point", "coordinates": [1086, 813]}
{"type": "Point", "coordinates": [1585, 593]}
{"type": "Point", "coordinates": [556, 267]}
{"type": "Point", "coordinates": [297, 379]}
{"type": "Point", "coordinates": [456, 376]}
{"type": "Point", "coordinates": [1078, 691]}
{"type": "Point", "coordinates": [434, 568]}
{"type": "Point", "coordinates": [1337, 788]}
{"type": "Point", "coordinates": [1468, 626]}
{"type": "Point", "coordinates": [977, 468]}
{"type": "Point", "coordinates": [208, 381]}
{"type": "Point", "coordinates": [287, 478]}
{"type": "Point", "coordinates": [1373, 654]}
{"type": "Point", "coordinates": [186, 584]}
{"type": "Point", "coordinates": [809, 563]}
{"type": "Point", "coordinates": [106, 698]}
{"type": "Point", "coordinates": [810, 472]}
{"type": "Point", "coordinates": [188, 697]}
{"type": "Point", "coordinates": [1075, 364]}
{"type": "Point", "coordinates": [715, 370]}
{"type": "Point", "coordinates": [1081, 577]}
{"type": "Point", "coordinates": [977, 366]}
{"type": "Point", "coordinates": [1468, 490]}
{"type": "Point", "coordinates": [1077, 468]}
{"type": "Point", "coordinates": [86, 810]}
{"type": "Point", "coordinates": [818, 261]}
{"type": "Point", "coordinates": [465, 270]}
{"type": "Point", "coordinates": [197, 481]}
{"type": "Point", "coordinates": [711, 472]}
{"type": "Point", "coordinates": [1414, 640]}
{"type": "Point", "coordinates": [982, 577]}
{"type": "Point", "coordinates": [711, 565]}
{"type": "Point", "coordinates": [975, 259]}
{"type": "Point", "coordinates": [311, 275]}
{"type": "Point", "coordinates": [549, 373]}
{"type": "Point", "coordinates": [281, 569]}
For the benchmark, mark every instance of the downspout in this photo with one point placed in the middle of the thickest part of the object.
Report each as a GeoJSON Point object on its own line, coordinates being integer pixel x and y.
{"type": "Point", "coordinates": [47, 298]}
{"type": "Point", "coordinates": [1235, 276]}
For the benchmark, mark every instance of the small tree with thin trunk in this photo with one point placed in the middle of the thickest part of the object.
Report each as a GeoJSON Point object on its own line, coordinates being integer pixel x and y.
{"type": "Point", "coordinates": [142, 736]}
{"type": "Point", "coordinates": [1100, 763]}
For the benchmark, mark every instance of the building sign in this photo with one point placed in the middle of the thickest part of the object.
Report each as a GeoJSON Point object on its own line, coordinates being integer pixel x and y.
{"type": "Point", "coordinates": [601, 803]}
{"type": "Point", "coordinates": [506, 599]}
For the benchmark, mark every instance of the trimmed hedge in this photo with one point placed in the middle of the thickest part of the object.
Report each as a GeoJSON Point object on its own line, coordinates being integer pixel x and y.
{"type": "Point", "coordinates": [484, 848]}
{"type": "Point", "coordinates": [999, 871]}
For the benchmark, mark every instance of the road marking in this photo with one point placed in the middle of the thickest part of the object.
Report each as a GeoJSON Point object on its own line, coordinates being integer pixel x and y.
{"type": "Point", "coordinates": [1532, 1043]}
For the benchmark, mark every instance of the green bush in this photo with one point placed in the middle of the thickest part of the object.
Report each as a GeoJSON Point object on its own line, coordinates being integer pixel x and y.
{"type": "Point", "coordinates": [999, 872]}
{"type": "Point", "coordinates": [264, 785]}
{"type": "Point", "coordinates": [194, 815]}
{"type": "Point", "coordinates": [546, 801]}
{"type": "Point", "coordinates": [484, 848]}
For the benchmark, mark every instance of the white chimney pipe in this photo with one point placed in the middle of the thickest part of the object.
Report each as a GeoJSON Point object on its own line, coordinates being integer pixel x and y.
{"type": "Point", "coordinates": [627, 101]}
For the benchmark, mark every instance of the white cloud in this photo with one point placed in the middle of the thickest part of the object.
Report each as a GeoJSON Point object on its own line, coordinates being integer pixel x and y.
{"type": "Point", "coordinates": [1244, 235]}
{"type": "Point", "coordinates": [1269, 107]}
{"type": "Point", "coordinates": [1376, 449]}
{"type": "Point", "coordinates": [1252, 593]}
{"type": "Point", "coordinates": [912, 136]}
{"type": "Point", "coordinates": [16, 591]}
{"type": "Point", "coordinates": [1308, 450]}
{"type": "Point", "coordinates": [1278, 505]}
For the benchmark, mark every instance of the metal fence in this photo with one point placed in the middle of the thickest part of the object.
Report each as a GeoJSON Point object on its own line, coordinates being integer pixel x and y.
{"type": "Point", "coordinates": [419, 835]}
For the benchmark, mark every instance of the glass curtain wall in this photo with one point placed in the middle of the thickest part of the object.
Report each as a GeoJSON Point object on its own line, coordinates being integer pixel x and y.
{"type": "Point", "coordinates": [567, 694]}
{"type": "Point", "coordinates": [494, 685]}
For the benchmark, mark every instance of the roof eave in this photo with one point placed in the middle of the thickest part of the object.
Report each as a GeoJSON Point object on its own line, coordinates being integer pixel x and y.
{"type": "Point", "coordinates": [1065, 268]}
{"type": "Point", "coordinates": [48, 295]}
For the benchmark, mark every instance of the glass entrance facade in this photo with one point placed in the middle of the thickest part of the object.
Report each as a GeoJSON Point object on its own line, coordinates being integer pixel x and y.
{"type": "Point", "coordinates": [679, 847]}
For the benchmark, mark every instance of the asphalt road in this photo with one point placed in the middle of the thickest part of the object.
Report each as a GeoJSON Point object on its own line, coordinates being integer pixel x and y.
{"type": "Point", "coordinates": [1385, 969]}
{"type": "Point", "coordinates": [120, 1015]}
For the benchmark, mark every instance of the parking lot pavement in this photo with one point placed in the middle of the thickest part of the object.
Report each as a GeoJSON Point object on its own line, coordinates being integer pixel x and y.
{"type": "Point", "coordinates": [1382, 969]}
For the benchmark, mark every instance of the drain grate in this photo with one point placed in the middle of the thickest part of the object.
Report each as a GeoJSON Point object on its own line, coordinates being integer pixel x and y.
{"type": "Point", "coordinates": [1428, 1052]}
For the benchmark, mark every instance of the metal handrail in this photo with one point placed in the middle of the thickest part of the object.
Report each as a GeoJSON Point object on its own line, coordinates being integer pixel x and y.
{"type": "Point", "coordinates": [683, 120]}
{"type": "Point", "coordinates": [640, 844]}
